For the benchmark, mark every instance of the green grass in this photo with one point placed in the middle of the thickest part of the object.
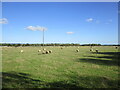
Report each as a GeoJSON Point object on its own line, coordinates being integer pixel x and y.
{"type": "Point", "coordinates": [64, 68]}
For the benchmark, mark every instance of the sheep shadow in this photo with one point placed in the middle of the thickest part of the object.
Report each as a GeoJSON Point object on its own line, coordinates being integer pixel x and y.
{"type": "Point", "coordinates": [101, 60]}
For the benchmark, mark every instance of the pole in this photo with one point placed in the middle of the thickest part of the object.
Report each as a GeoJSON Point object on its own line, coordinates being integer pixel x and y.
{"type": "Point", "coordinates": [43, 38]}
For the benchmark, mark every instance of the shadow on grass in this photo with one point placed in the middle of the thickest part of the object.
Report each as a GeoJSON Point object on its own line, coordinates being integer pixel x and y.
{"type": "Point", "coordinates": [22, 80]}
{"type": "Point", "coordinates": [101, 60]}
{"type": "Point", "coordinates": [95, 81]}
{"type": "Point", "coordinates": [19, 80]}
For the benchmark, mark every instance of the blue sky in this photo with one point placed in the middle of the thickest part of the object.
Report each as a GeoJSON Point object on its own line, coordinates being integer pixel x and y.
{"type": "Point", "coordinates": [66, 22]}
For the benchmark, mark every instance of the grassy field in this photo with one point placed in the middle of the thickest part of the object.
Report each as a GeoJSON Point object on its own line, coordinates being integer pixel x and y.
{"type": "Point", "coordinates": [63, 68]}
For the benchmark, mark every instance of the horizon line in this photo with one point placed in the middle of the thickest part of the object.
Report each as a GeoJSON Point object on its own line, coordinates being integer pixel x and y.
{"type": "Point", "coordinates": [60, 43]}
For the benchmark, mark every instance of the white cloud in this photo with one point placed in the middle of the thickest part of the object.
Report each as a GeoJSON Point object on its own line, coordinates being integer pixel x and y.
{"type": "Point", "coordinates": [69, 32]}
{"type": "Point", "coordinates": [35, 28]}
{"type": "Point", "coordinates": [89, 19]}
{"type": "Point", "coordinates": [3, 21]}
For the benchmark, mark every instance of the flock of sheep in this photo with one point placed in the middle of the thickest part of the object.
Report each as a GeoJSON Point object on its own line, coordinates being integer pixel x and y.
{"type": "Point", "coordinates": [90, 50]}
{"type": "Point", "coordinates": [44, 51]}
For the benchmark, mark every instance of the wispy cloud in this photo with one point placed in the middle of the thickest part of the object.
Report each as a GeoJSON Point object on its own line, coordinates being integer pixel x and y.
{"type": "Point", "coordinates": [89, 19]}
{"type": "Point", "coordinates": [36, 28]}
{"type": "Point", "coordinates": [109, 21]}
{"type": "Point", "coordinates": [69, 32]}
{"type": "Point", "coordinates": [3, 21]}
{"type": "Point", "coordinates": [97, 21]}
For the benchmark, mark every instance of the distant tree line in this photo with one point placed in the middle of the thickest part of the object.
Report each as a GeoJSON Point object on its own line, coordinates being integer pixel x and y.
{"type": "Point", "coordinates": [91, 45]}
{"type": "Point", "coordinates": [51, 44]}
{"type": "Point", "coordinates": [27, 44]}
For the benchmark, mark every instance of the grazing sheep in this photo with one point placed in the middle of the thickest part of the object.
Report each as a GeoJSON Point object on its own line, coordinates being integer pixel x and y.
{"type": "Point", "coordinates": [47, 52]}
{"type": "Point", "coordinates": [44, 49]}
{"type": "Point", "coordinates": [116, 47]}
{"type": "Point", "coordinates": [21, 51]}
{"type": "Point", "coordinates": [96, 50]}
{"type": "Point", "coordinates": [91, 50]}
{"type": "Point", "coordinates": [77, 50]}
{"type": "Point", "coordinates": [39, 50]}
{"type": "Point", "coordinates": [61, 47]}
{"type": "Point", "coordinates": [50, 51]}
{"type": "Point", "coordinates": [43, 52]}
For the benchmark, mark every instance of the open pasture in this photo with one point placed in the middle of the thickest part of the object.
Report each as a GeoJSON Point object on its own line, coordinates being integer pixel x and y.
{"type": "Point", "coordinates": [63, 68]}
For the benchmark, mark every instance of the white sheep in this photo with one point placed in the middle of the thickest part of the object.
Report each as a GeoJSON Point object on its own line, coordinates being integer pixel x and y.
{"type": "Point", "coordinates": [47, 52]}
{"type": "Point", "coordinates": [77, 50]}
{"type": "Point", "coordinates": [43, 52]}
{"type": "Point", "coordinates": [21, 51]}
{"type": "Point", "coordinates": [44, 49]}
{"type": "Point", "coordinates": [50, 51]}
{"type": "Point", "coordinates": [39, 50]}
